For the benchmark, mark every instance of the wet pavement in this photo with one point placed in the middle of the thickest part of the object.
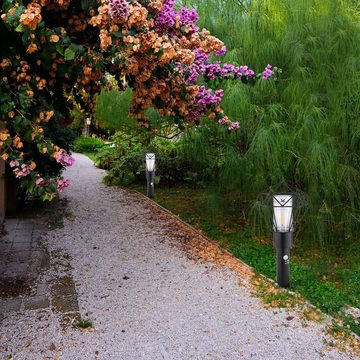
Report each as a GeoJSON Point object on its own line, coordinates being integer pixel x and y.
{"type": "Point", "coordinates": [23, 261]}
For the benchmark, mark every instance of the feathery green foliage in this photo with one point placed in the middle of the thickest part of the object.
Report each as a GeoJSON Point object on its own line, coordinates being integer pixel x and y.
{"type": "Point", "coordinates": [112, 110]}
{"type": "Point", "coordinates": [301, 133]}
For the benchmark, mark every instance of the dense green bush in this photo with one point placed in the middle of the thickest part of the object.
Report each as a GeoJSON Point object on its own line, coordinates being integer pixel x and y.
{"type": "Point", "coordinates": [106, 157]}
{"type": "Point", "coordinates": [88, 144]}
{"type": "Point", "coordinates": [125, 160]}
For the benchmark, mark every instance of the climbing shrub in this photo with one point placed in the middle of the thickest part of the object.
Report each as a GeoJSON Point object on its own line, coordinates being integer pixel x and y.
{"type": "Point", "coordinates": [55, 52]}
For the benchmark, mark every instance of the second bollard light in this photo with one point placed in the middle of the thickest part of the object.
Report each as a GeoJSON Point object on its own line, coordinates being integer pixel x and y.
{"type": "Point", "coordinates": [283, 236]}
{"type": "Point", "coordinates": [150, 173]}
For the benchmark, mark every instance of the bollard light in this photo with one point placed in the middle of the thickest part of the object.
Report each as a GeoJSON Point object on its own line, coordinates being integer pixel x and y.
{"type": "Point", "coordinates": [88, 123]}
{"type": "Point", "coordinates": [150, 173]}
{"type": "Point", "coordinates": [283, 235]}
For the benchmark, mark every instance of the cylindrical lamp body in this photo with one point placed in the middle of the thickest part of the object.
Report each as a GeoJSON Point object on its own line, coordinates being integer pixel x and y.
{"type": "Point", "coordinates": [283, 243]}
{"type": "Point", "coordinates": [150, 177]}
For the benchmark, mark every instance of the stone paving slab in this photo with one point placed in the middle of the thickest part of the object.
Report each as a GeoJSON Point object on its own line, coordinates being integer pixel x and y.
{"type": "Point", "coordinates": [22, 259]}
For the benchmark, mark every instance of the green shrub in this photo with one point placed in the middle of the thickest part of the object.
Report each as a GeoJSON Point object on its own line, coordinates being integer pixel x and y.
{"type": "Point", "coordinates": [106, 157]}
{"type": "Point", "coordinates": [88, 144]}
{"type": "Point", "coordinates": [125, 160]}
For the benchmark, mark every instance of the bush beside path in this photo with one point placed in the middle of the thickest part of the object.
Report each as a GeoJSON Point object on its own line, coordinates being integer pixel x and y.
{"type": "Point", "coordinates": [128, 281]}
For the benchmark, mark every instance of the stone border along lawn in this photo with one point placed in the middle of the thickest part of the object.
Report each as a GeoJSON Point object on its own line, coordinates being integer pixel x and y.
{"type": "Point", "coordinates": [263, 287]}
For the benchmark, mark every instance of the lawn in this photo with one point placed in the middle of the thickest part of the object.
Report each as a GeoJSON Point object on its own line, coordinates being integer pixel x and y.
{"type": "Point", "coordinates": [328, 279]}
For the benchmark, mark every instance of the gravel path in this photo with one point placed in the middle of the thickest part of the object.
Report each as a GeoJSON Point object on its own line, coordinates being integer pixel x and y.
{"type": "Point", "coordinates": [145, 298]}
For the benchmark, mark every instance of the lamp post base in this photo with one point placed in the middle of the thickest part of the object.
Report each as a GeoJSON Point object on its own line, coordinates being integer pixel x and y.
{"type": "Point", "coordinates": [283, 243]}
{"type": "Point", "coordinates": [150, 177]}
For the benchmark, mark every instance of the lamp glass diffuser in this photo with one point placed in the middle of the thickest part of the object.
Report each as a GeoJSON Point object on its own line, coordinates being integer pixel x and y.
{"type": "Point", "coordinates": [88, 121]}
{"type": "Point", "coordinates": [283, 213]}
{"type": "Point", "coordinates": [150, 162]}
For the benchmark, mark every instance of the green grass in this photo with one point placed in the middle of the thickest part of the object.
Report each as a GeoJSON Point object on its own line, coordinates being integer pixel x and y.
{"type": "Point", "coordinates": [329, 280]}
{"type": "Point", "coordinates": [91, 155]}
{"type": "Point", "coordinates": [87, 144]}
{"type": "Point", "coordinates": [84, 324]}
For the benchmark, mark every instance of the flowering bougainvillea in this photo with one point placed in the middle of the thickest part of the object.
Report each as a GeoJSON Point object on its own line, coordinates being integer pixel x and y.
{"type": "Point", "coordinates": [54, 48]}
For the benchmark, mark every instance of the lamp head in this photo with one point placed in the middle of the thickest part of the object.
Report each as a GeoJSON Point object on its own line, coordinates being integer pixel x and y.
{"type": "Point", "coordinates": [283, 213]}
{"type": "Point", "coordinates": [150, 161]}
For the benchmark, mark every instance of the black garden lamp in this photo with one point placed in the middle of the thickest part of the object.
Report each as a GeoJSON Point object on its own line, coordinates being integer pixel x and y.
{"type": "Point", "coordinates": [88, 123]}
{"type": "Point", "coordinates": [283, 235]}
{"type": "Point", "coordinates": [150, 173]}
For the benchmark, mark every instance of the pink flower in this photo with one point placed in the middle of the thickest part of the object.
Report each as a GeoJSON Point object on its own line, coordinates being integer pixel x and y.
{"type": "Point", "coordinates": [221, 52]}
{"type": "Point", "coordinates": [64, 158]}
{"type": "Point", "coordinates": [234, 126]}
{"type": "Point", "coordinates": [223, 121]}
{"type": "Point", "coordinates": [62, 184]}
{"type": "Point", "coordinates": [267, 73]}
{"type": "Point", "coordinates": [119, 9]}
{"type": "Point", "coordinates": [40, 181]}
{"type": "Point", "coordinates": [14, 163]}
{"type": "Point", "coordinates": [23, 171]}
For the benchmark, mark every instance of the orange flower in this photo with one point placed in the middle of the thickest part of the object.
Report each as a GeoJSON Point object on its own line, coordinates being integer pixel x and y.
{"type": "Point", "coordinates": [32, 48]}
{"type": "Point", "coordinates": [54, 38]}
{"type": "Point", "coordinates": [5, 63]}
{"type": "Point", "coordinates": [17, 142]}
{"type": "Point", "coordinates": [4, 136]}
{"type": "Point", "coordinates": [186, 56]}
{"type": "Point", "coordinates": [138, 15]}
{"type": "Point", "coordinates": [41, 84]}
{"type": "Point", "coordinates": [49, 115]}
{"type": "Point", "coordinates": [31, 16]}
{"type": "Point", "coordinates": [156, 5]}
{"type": "Point", "coordinates": [87, 70]}
{"type": "Point", "coordinates": [105, 39]}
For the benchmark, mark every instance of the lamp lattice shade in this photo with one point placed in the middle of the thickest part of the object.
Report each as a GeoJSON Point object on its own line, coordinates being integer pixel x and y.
{"type": "Point", "coordinates": [283, 213]}
{"type": "Point", "coordinates": [150, 161]}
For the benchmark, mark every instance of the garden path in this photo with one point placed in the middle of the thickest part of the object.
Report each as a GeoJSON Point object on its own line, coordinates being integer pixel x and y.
{"type": "Point", "coordinates": [131, 270]}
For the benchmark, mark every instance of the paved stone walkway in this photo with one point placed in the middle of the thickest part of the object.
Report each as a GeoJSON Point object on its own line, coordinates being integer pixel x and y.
{"type": "Point", "coordinates": [22, 259]}
{"type": "Point", "coordinates": [117, 278]}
